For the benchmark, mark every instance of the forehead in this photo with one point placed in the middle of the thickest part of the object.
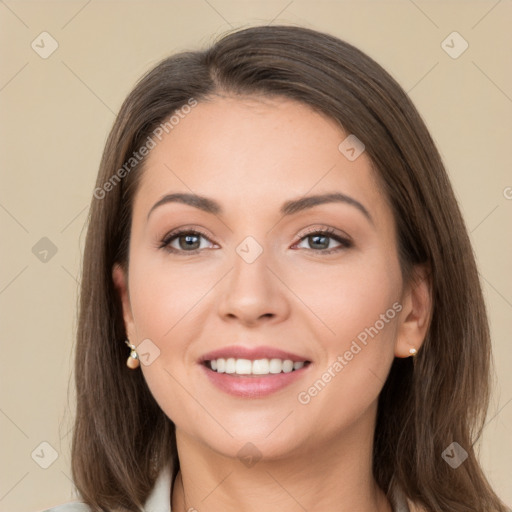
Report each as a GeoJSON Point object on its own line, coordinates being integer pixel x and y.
{"type": "Point", "coordinates": [255, 152]}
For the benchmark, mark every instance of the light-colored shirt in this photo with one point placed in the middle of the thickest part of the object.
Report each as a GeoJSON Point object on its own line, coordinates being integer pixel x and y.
{"type": "Point", "coordinates": [160, 496]}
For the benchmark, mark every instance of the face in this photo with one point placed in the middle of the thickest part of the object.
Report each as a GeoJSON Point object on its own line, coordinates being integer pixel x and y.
{"type": "Point", "coordinates": [257, 272]}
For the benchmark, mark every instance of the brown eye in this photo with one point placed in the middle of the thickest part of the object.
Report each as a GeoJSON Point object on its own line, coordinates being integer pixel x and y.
{"type": "Point", "coordinates": [190, 241]}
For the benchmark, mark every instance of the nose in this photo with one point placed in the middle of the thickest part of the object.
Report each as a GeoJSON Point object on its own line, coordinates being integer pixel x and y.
{"type": "Point", "coordinates": [253, 293]}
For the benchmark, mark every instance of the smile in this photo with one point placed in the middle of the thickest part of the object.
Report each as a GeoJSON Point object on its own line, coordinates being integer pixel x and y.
{"type": "Point", "coordinates": [256, 367]}
{"type": "Point", "coordinates": [253, 371]}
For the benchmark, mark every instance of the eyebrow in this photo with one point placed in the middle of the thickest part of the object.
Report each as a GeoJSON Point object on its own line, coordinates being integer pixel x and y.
{"type": "Point", "coordinates": [289, 207]}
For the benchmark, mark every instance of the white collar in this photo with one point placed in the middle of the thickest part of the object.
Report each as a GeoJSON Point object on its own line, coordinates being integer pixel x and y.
{"type": "Point", "coordinates": [159, 500]}
{"type": "Point", "coordinates": [397, 497]}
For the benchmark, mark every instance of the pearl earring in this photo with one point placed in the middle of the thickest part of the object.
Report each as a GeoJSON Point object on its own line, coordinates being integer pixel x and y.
{"type": "Point", "coordinates": [413, 351]}
{"type": "Point", "coordinates": [133, 359]}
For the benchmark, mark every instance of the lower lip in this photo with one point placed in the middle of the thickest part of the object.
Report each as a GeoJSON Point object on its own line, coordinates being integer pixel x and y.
{"type": "Point", "coordinates": [249, 386]}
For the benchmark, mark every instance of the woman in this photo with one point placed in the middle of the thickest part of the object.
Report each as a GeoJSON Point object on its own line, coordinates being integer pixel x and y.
{"type": "Point", "coordinates": [324, 345]}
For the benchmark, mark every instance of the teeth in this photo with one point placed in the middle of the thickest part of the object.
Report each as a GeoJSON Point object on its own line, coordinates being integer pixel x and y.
{"type": "Point", "coordinates": [256, 367]}
{"type": "Point", "coordinates": [230, 365]}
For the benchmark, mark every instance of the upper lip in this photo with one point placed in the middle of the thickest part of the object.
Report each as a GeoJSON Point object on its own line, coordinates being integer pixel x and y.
{"type": "Point", "coordinates": [252, 353]}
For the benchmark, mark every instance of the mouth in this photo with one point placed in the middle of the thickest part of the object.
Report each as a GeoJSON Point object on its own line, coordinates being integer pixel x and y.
{"type": "Point", "coordinates": [256, 367]}
{"type": "Point", "coordinates": [253, 371]}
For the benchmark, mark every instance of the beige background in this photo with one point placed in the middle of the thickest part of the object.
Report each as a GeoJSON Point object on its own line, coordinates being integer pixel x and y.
{"type": "Point", "coordinates": [56, 113]}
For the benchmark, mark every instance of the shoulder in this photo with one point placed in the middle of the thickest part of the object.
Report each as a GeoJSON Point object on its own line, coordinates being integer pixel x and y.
{"type": "Point", "coordinates": [157, 501]}
{"type": "Point", "coordinates": [72, 506]}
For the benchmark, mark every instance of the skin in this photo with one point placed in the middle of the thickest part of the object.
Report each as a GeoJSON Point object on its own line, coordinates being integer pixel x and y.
{"type": "Point", "coordinates": [252, 154]}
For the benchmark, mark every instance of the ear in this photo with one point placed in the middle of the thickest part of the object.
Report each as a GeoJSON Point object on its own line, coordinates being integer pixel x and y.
{"type": "Point", "coordinates": [121, 285]}
{"type": "Point", "coordinates": [416, 313]}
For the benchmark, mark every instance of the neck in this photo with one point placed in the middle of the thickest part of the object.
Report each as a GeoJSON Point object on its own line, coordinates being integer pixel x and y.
{"type": "Point", "coordinates": [335, 474]}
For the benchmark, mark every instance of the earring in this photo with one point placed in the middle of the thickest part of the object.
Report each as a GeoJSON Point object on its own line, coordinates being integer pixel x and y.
{"type": "Point", "coordinates": [413, 351]}
{"type": "Point", "coordinates": [133, 359]}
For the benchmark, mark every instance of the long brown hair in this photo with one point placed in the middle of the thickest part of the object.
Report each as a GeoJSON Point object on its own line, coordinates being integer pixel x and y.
{"type": "Point", "coordinates": [122, 439]}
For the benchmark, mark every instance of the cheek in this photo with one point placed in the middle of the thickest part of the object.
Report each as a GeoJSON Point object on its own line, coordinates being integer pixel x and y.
{"type": "Point", "coordinates": [357, 309]}
{"type": "Point", "coordinates": [164, 296]}
{"type": "Point", "coordinates": [361, 311]}
{"type": "Point", "coordinates": [167, 304]}
{"type": "Point", "coordinates": [343, 300]}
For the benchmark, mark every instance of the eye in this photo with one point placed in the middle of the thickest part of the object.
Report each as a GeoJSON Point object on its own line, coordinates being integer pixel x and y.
{"type": "Point", "coordinates": [184, 240]}
{"type": "Point", "coordinates": [190, 241]}
{"type": "Point", "coordinates": [320, 240]}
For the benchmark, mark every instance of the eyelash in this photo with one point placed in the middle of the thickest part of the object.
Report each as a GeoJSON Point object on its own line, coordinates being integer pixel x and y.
{"type": "Point", "coordinates": [328, 232]}
{"type": "Point", "coordinates": [345, 243]}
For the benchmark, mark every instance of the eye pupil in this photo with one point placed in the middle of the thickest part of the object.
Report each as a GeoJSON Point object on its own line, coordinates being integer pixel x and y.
{"type": "Point", "coordinates": [190, 241]}
{"type": "Point", "coordinates": [322, 245]}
